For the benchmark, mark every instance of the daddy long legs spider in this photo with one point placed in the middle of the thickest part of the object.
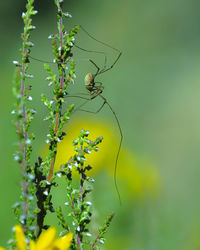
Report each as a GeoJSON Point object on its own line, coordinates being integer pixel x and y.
{"type": "Point", "coordinates": [95, 89]}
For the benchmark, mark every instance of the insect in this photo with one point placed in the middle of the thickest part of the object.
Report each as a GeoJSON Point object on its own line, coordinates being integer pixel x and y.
{"type": "Point", "coordinates": [95, 89]}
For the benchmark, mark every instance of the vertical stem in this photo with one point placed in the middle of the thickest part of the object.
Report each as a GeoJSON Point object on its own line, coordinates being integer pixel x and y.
{"type": "Point", "coordinates": [50, 175]}
{"type": "Point", "coordinates": [98, 236]}
{"type": "Point", "coordinates": [62, 78]}
{"type": "Point", "coordinates": [25, 133]}
{"type": "Point", "coordinates": [81, 185]}
{"type": "Point", "coordinates": [77, 236]}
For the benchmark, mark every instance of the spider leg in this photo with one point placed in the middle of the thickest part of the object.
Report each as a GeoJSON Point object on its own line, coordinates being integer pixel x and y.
{"type": "Point", "coordinates": [94, 51]}
{"type": "Point", "coordinates": [119, 148]}
{"type": "Point", "coordinates": [105, 44]}
{"type": "Point", "coordinates": [121, 135]}
{"type": "Point", "coordinates": [95, 66]}
{"type": "Point", "coordinates": [98, 93]}
{"type": "Point", "coordinates": [100, 86]}
{"type": "Point", "coordinates": [94, 112]}
{"type": "Point", "coordinates": [104, 70]}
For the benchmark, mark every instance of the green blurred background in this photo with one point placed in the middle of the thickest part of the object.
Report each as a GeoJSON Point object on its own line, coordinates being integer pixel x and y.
{"type": "Point", "coordinates": [154, 89]}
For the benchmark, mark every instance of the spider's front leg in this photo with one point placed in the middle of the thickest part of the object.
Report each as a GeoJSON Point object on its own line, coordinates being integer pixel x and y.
{"type": "Point", "coordinates": [97, 90]}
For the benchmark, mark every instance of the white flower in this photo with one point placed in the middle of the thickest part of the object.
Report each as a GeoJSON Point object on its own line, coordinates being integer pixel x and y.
{"type": "Point", "coordinates": [30, 98]}
{"type": "Point", "coordinates": [45, 192]}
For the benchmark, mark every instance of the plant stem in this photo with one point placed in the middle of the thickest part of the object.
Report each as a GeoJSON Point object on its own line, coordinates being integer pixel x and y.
{"type": "Point", "coordinates": [25, 134]}
{"type": "Point", "coordinates": [62, 78]}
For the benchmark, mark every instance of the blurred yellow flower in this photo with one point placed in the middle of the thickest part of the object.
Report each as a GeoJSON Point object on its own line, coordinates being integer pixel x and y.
{"type": "Point", "coordinates": [46, 241]}
{"type": "Point", "coordinates": [139, 177]}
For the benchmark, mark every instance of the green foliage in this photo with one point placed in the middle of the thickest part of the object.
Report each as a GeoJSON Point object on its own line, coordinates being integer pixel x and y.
{"type": "Point", "coordinates": [38, 179]}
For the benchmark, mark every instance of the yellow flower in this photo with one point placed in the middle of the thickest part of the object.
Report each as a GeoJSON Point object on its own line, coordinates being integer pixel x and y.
{"type": "Point", "coordinates": [46, 241]}
{"type": "Point", "coordinates": [139, 177]}
{"type": "Point", "coordinates": [20, 238]}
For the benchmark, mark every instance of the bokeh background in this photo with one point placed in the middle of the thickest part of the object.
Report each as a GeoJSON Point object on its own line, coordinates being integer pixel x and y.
{"type": "Point", "coordinates": [155, 91]}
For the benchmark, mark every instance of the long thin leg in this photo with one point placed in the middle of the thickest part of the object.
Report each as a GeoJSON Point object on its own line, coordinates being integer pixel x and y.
{"type": "Point", "coordinates": [120, 130]}
{"type": "Point", "coordinates": [95, 66]}
{"type": "Point", "coordinates": [104, 70]}
{"type": "Point", "coordinates": [105, 44]}
{"type": "Point", "coordinates": [40, 60]}
{"type": "Point", "coordinates": [97, 39]}
{"type": "Point", "coordinates": [94, 112]}
{"type": "Point", "coordinates": [120, 143]}
{"type": "Point", "coordinates": [94, 51]}
{"type": "Point", "coordinates": [80, 97]}
{"type": "Point", "coordinates": [119, 148]}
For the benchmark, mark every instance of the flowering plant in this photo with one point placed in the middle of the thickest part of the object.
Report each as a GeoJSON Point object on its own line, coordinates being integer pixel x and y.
{"type": "Point", "coordinates": [39, 177]}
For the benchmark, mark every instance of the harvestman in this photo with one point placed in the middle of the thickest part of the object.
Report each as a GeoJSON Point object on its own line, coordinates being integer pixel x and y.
{"type": "Point", "coordinates": [97, 90]}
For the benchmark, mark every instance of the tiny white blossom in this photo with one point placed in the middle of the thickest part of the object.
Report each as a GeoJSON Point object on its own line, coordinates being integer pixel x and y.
{"type": "Point", "coordinates": [31, 198]}
{"type": "Point", "coordinates": [78, 158]}
{"type": "Point", "coordinates": [70, 166]}
{"type": "Point", "coordinates": [15, 62]}
{"type": "Point", "coordinates": [35, 12]}
{"type": "Point", "coordinates": [28, 141]}
{"type": "Point", "coordinates": [31, 44]}
{"type": "Point", "coordinates": [59, 175]}
{"type": "Point", "coordinates": [13, 112]}
{"type": "Point", "coordinates": [30, 76]}
{"type": "Point", "coordinates": [30, 98]}
{"type": "Point", "coordinates": [47, 182]}
{"type": "Point", "coordinates": [89, 203]}
{"type": "Point", "coordinates": [16, 157]}
{"type": "Point", "coordinates": [47, 141]}
{"type": "Point", "coordinates": [91, 179]}
{"type": "Point", "coordinates": [23, 15]}
{"type": "Point", "coordinates": [45, 192]}
{"type": "Point", "coordinates": [31, 176]}
{"type": "Point", "coordinates": [66, 203]}
{"type": "Point", "coordinates": [68, 15]}
{"type": "Point", "coordinates": [101, 241]}
{"type": "Point", "coordinates": [33, 27]}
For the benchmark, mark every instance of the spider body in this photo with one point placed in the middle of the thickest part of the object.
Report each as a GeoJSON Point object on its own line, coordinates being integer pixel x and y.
{"type": "Point", "coordinates": [89, 82]}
